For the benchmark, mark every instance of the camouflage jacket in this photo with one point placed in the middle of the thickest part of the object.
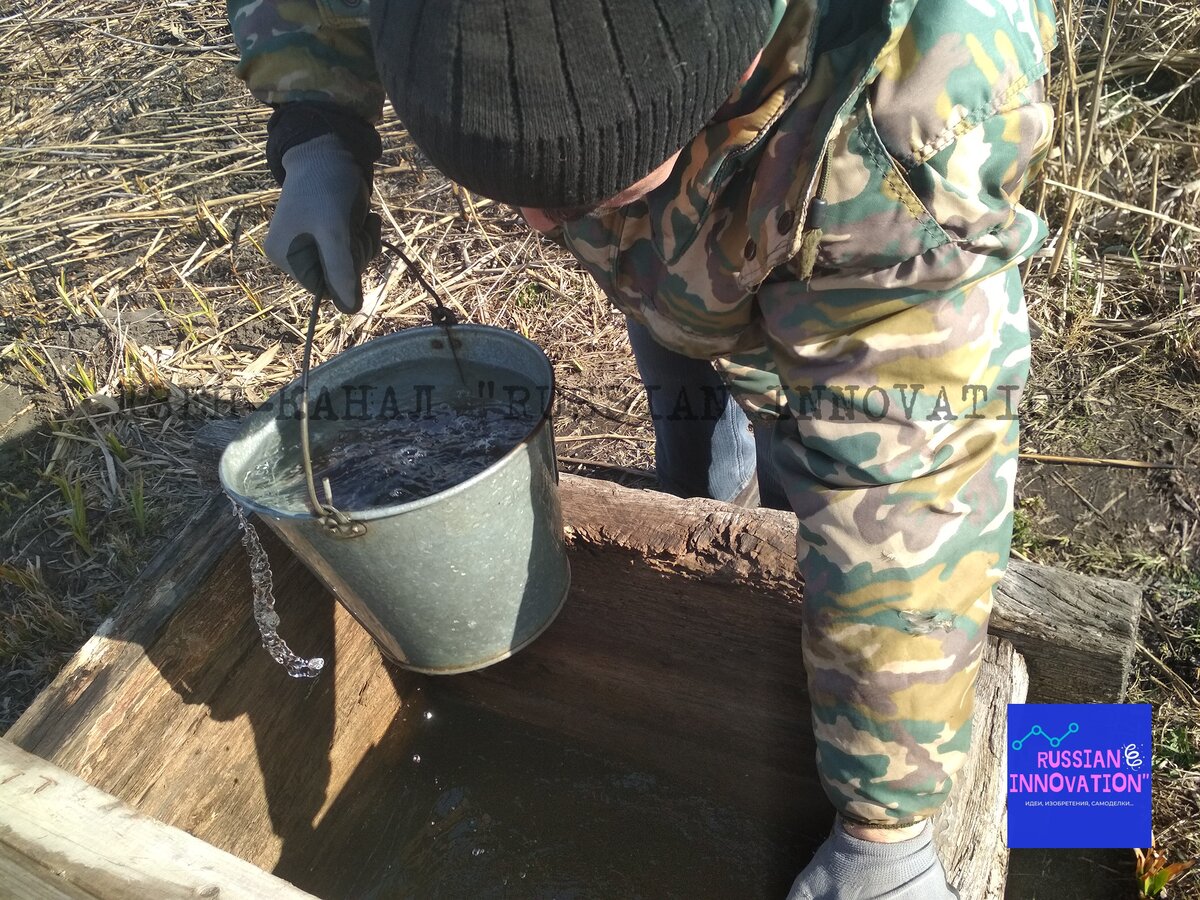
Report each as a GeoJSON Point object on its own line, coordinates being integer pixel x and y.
{"type": "Point", "coordinates": [913, 124]}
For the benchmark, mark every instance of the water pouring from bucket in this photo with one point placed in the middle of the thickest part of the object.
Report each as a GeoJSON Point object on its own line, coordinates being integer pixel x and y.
{"type": "Point", "coordinates": [436, 446]}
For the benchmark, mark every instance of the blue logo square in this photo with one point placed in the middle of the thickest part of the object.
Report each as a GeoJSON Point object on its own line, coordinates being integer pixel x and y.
{"type": "Point", "coordinates": [1079, 775]}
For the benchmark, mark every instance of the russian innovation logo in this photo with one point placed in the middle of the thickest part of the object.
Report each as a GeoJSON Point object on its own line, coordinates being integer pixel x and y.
{"type": "Point", "coordinates": [1078, 775]}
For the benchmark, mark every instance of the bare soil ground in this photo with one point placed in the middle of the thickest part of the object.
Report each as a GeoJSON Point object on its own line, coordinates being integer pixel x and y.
{"type": "Point", "coordinates": [136, 303]}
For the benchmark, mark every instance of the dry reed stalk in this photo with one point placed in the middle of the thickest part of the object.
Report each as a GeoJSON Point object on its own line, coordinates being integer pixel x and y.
{"type": "Point", "coordinates": [1085, 154]}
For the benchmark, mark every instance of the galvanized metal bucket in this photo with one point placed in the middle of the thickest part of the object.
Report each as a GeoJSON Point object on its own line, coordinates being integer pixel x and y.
{"type": "Point", "coordinates": [454, 581]}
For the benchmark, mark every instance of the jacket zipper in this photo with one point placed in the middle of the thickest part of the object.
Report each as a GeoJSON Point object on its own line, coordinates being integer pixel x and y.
{"type": "Point", "coordinates": [814, 222]}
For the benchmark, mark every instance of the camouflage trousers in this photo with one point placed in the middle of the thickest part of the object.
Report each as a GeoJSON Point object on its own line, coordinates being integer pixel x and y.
{"type": "Point", "coordinates": [899, 455]}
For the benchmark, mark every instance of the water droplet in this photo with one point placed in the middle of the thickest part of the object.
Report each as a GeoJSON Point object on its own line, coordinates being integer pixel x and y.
{"type": "Point", "coordinates": [416, 757]}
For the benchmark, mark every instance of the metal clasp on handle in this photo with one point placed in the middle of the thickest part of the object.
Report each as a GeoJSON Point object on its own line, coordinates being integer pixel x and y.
{"type": "Point", "coordinates": [342, 526]}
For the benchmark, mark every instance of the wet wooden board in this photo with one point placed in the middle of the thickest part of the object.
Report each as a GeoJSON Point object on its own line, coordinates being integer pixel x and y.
{"type": "Point", "coordinates": [678, 648]}
{"type": "Point", "coordinates": [62, 839]}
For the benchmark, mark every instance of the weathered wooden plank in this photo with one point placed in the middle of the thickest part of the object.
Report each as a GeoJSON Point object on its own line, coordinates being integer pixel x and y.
{"type": "Point", "coordinates": [28, 879]}
{"type": "Point", "coordinates": [206, 732]}
{"type": "Point", "coordinates": [89, 844]}
{"type": "Point", "coordinates": [970, 829]}
{"type": "Point", "coordinates": [1076, 633]}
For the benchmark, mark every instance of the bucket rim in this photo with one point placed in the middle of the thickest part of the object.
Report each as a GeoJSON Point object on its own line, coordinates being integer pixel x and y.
{"type": "Point", "coordinates": [374, 513]}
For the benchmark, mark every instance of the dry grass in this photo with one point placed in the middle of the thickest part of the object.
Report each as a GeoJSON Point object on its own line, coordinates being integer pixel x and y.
{"type": "Point", "coordinates": [137, 301]}
{"type": "Point", "coordinates": [1117, 360]}
{"type": "Point", "coordinates": [133, 203]}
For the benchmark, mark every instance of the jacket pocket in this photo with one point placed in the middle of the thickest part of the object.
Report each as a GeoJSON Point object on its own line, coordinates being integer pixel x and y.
{"type": "Point", "coordinates": [973, 186]}
{"type": "Point", "coordinates": [873, 218]}
{"type": "Point", "coordinates": [959, 106]}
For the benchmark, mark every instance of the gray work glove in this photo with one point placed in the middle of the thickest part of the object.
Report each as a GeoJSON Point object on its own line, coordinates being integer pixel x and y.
{"type": "Point", "coordinates": [323, 233]}
{"type": "Point", "coordinates": [846, 868]}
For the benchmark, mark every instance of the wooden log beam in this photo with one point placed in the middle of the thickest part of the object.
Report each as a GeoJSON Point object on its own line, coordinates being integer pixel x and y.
{"type": "Point", "coordinates": [62, 839]}
{"type": "Point", "coordinates": [1077, 633]}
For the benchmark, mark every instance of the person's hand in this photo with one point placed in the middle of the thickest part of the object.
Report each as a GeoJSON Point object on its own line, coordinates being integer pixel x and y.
{"type": "Point", "coordinates": [323, 233]}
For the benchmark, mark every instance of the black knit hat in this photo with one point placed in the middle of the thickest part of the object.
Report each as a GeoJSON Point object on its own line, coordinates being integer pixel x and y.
{"type": "Point", "coordinates": [560, 103]}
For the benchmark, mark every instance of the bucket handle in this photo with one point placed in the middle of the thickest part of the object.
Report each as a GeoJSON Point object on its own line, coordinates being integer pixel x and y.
{"type": "Point", "coordinates": [439, 314]}
{"type": "Point", "coordinates": [336, 522]}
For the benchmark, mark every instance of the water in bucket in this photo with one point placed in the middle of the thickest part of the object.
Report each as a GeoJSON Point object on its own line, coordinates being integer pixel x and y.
{"type": "Point", "coordinates": [415, 448]}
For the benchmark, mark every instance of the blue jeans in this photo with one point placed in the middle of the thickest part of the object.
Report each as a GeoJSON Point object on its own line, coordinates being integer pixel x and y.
{"type": "Point", "coordinates": [704, 444]}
